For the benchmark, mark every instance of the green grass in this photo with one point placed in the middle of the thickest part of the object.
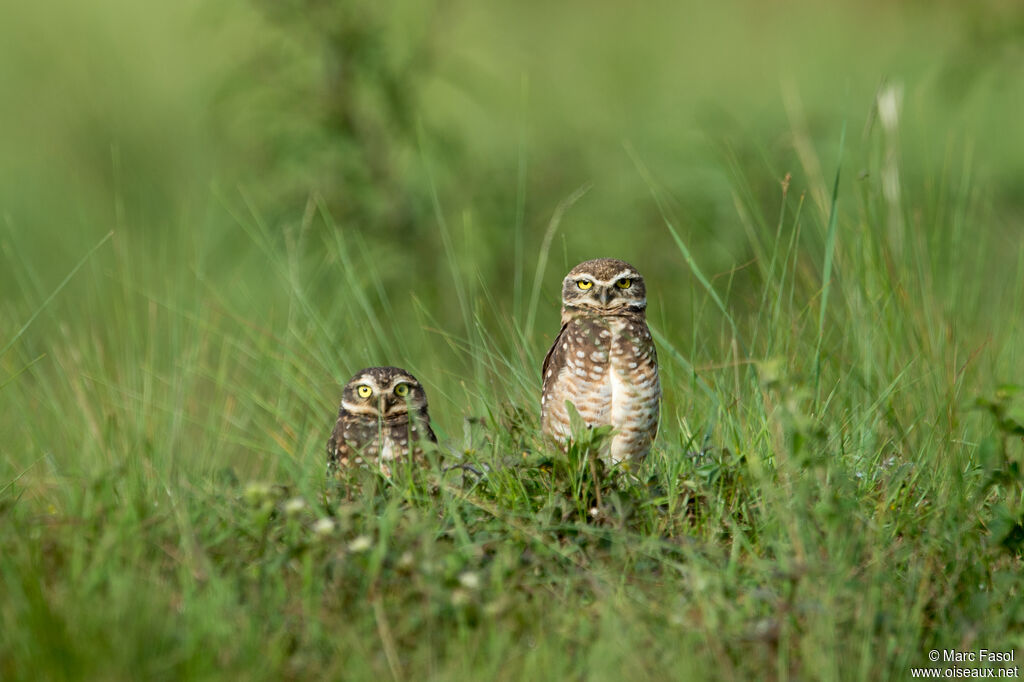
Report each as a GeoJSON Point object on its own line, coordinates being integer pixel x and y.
{"type": "Point", "coordinates": [836, 488]}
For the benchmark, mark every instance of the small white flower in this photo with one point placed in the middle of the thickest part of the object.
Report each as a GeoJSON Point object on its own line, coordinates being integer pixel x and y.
{"type": "Point", "coordinates": [324, 526]}
{"type": "Point", "coordinates": [294, 506]}
{"type": "Point", "coordinates": [469, 580]}
{"type": "Point", "coordinates": [360, 544]}
{"type": "Point", "coordinates": [889, 101]}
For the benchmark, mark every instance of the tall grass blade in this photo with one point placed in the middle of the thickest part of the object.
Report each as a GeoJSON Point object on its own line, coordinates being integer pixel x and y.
{"type": "Point", "coordinates": [830, 247]}
{"type": "Point", "coordinates": [683, 249]}
{"type": "Point", "coordinates": [53, 294]}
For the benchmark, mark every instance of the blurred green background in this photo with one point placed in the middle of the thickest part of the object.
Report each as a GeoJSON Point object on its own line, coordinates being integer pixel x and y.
{"type": "Point", "coordinates": [358, 183]}
{"type": "Point", "coordinates": [225, 146]}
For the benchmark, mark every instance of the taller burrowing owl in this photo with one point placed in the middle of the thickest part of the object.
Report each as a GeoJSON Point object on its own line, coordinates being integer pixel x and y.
{"type": "Point", "coordinates": [603, 360]}
{"type": "Point", "coordinates": [383, 418]}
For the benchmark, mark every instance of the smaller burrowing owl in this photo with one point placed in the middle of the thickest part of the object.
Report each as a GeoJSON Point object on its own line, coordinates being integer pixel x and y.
{"type": "Point", "coordinates": [383, 418]}
{"type": "Point", "coordinates": [603, 360]}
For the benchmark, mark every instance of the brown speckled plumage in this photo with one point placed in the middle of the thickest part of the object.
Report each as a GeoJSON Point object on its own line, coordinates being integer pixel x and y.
{"type": "Point", "coordinates": [603, 360]}
{"type": "Point", "coordinates": [377, 425]}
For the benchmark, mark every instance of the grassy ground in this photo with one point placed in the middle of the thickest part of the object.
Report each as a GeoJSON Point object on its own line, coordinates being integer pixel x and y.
{"type": "Point", "coordinates": [202, 243]}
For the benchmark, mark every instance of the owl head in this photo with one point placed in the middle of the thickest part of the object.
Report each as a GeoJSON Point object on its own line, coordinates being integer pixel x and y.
{"type": "Point", "coordinates": [385, 393]}
{"type": "Point", "coordinates": [604, 286]}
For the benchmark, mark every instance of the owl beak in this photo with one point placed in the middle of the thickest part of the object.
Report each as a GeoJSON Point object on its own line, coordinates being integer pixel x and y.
{"type": "Point", "coordinates": [606, 296]}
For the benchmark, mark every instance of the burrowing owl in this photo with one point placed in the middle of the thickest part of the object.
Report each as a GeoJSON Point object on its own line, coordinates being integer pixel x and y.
{"type": "Point", "coordinates": [603, 360]}
{"type": "Point", "coordinates": [382, 418]}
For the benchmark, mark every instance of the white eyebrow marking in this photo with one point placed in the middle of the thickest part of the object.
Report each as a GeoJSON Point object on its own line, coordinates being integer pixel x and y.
{"type": "Point", "coordinates": [633, 274]}
{"type": "Point", "coordinates": [368, 380]}
{"type": "Point", "coordinates": [626, 273]}
{"type": "Point", "coordinates": [402, 380]}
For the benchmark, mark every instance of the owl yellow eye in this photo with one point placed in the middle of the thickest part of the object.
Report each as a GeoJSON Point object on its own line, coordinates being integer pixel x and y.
{"type": "Point", "coordinates": [624, 283]}
{"type": "Point", "coordinates": [364, 391]}
{"type": "Point", "coordinates": [402, 390]}
{"type": "Point", "coordinates": [584, 284]}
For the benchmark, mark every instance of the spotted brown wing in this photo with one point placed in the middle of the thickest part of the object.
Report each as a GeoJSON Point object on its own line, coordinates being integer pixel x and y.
{"type": "Point", "coordinates": [554, 353]}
